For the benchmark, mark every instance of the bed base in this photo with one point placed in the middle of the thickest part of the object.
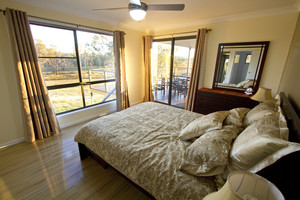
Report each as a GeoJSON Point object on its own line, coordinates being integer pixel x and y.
{"type": "Point", "coordinates": [85, 152]}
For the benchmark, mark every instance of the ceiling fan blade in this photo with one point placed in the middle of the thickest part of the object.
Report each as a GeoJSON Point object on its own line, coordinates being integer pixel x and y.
{"type": "Point", "coordinates": [170, 7]}
{"type": "Point", "coordinates": [136, 2]}
{"type": "Point", "coordinates": [103, 9]}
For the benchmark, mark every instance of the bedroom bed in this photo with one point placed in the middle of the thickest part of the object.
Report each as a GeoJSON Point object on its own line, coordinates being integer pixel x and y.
{"type": "Point", "coordinates": [171, 153]}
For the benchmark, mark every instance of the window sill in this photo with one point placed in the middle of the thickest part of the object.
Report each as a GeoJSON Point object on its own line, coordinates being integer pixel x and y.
{"type": "Point", "coordinates": [82, 115]}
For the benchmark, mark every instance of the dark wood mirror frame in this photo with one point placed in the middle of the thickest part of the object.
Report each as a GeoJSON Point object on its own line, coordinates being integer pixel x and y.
{"type": "Point", "coordinates": [231, 55]}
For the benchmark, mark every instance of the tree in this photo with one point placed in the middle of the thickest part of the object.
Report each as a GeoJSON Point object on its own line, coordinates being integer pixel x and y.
{"type": "Point", "coordinates": [50, 62]}
{"type": "Point", "coordinates": [101, 49]}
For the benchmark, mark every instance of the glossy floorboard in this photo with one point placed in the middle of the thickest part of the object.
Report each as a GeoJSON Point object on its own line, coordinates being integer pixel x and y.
{"type": "Point", "coordinates": [178, 100]}
{"type": "Point", "coordinates": [52, 169]}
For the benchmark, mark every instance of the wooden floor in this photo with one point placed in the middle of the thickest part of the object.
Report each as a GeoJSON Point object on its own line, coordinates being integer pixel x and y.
{"type": "Point", "coordinates": [178, 99]}
{"type": "Point", "coordinates": [52, 169]}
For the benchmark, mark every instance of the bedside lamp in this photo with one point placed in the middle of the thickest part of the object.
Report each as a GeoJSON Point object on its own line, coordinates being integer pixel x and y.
{"type": "Point", "coordinates": [242, 185]}
{"type": "Point", "coordinates": [263, 94]}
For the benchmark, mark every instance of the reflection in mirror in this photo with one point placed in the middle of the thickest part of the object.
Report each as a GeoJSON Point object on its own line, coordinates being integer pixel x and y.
{"type": "Point", "coordinates": [239, 65]}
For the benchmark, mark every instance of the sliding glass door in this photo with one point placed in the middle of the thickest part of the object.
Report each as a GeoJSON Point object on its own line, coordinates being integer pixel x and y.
{"type": "Point", "coordinates": [171, 63]}
{"type": "Point", "coordinates": [160, 70]}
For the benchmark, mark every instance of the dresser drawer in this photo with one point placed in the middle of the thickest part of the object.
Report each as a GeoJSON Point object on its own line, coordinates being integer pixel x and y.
{"type": "Point", "coordinates": [209, 100]}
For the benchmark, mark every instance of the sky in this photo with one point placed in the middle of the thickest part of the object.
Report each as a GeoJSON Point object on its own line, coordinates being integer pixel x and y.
{"type": "Point", "coordinates": [61, 38]}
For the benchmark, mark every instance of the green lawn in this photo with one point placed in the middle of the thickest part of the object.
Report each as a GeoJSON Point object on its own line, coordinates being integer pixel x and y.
{"type": "Point", "coordinates": [71, 98]}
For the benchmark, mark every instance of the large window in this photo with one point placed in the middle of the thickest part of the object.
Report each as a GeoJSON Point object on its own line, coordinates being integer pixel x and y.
{"type": "Point", "coordinates": [171, 64]}
{"type": "Point", "coordinates": [77, 66]}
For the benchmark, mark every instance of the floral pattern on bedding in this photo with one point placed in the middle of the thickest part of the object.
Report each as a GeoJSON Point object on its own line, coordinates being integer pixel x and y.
{"type": "Point", "coordinates": [142, 143]}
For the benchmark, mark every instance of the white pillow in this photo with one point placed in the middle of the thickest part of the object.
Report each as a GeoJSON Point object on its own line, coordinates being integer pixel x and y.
{"type": "Point", "coordinates": [257, 142]}
{"type": "Point", "coordinates": [286, 148]}
{"type": "Point", "coordinates": [208, 155]}
{"type": "Point", "coordinates": [203, 124]}
{"type": "Point", "coordinates": [260, 111]}
{"type": "Point", "coordinates": [290, 147]}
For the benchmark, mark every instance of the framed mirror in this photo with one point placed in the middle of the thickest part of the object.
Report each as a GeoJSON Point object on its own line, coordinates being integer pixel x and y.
{"type": "Point", "coordinates": [239, 65]}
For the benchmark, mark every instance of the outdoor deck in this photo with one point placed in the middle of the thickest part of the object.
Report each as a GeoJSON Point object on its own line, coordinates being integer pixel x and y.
{"type": "Point", "coordinates": [178, 99]}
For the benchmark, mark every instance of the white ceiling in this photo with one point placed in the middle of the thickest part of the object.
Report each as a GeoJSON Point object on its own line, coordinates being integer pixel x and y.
{"type": "Point", "coordinates": [196, 12]}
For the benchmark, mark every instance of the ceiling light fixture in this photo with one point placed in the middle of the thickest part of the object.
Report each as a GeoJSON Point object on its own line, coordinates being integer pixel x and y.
{"type": "Point", "coordinates": [137, 12]}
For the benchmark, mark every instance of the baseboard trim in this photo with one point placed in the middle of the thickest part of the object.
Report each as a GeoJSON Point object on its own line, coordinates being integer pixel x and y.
{"type": "Point", "coordinates": [136, 103]}
{"type": "Point", "coordinates": [67, 125]}
{"type": "Point", "coordinates": [89, 118]}
{"type": "Point", "coordinates": [86, 119]}
{"type": "Point", "coordinates": [5, 145]}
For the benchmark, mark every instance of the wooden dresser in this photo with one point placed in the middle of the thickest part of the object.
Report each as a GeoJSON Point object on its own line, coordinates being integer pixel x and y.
{"type": "Point", "coordinates": [211, 100]}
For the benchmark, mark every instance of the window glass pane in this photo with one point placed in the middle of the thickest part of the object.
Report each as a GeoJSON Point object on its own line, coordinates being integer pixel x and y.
{"type": "Point", "coordinates": [53, 42]}
{"type": "Point", "coordinates": [96, 56]}
{"type": "Point", "coordinates": [58, 61]}
{"type": "Point", "coordinates": [58, 71]}
{"type": "Point", "coordinates": [66, 99]}
{"type": "Point", "coordinates": [160, 70]}
{"type": "Point", "coordinates": [99, 93]}
{"type": "Point", "coordinates": [56, 51]}
{"type": "Point", "coordinates": [182, 66]}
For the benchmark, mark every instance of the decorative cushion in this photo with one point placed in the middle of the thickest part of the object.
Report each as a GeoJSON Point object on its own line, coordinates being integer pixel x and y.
{"type": "Point", "coordinates": [203, 124]}
{"type": "Point", "coordinates": [236, 116]}
{"type": "Point", "coordinates": [260, 111]}
{"type": "Point", "coordinates": [256, 142]}
{"type": "Point", "coordinates": [259, 145]}
{"type": "Point", "coordinates": [208, 155]}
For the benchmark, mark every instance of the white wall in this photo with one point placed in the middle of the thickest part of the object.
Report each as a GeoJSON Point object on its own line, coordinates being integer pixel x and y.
{"type": "Point", "coordinates": [11, 124]}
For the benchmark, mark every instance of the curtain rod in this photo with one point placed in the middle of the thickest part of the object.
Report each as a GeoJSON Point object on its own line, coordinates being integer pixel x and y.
{"type": "Point", "coordinates": [208, 30]}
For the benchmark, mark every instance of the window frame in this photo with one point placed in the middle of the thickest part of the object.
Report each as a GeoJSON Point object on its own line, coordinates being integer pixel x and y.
{"type": "Point", "coordinates": [74, 29]}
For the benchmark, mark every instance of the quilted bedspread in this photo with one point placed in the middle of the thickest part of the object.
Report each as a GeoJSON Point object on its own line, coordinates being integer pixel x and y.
{"type": "Point", "coordinates": [142, 143]}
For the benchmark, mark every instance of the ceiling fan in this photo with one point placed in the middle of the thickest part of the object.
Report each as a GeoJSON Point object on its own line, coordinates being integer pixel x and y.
{"type": "Point", "coordinates": [138, 9]}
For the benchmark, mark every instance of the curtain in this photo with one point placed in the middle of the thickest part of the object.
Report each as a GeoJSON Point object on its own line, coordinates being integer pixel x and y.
{"type": "Point", "coordinates": [197, 74]}
{"type": "Point", "coordinates": [147, 63]}
{"type": "Point", "coordinates": [38, 115]}
{"type": "Point", "coordinates": [120, 73]}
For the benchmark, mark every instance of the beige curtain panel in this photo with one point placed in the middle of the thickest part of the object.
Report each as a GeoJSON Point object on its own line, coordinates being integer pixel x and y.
{"type": "Point", "coordinates": [147, 63]}
{"type": "Point", "coordinates": [38, 116]}
{"type": "Point", "coordinates": [120, 72]}
{"type": "Point", "coordinates": [197, 73]}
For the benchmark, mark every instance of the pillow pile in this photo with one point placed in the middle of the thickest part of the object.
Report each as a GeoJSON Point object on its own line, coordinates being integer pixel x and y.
{"type": "Point", "coordinates": [236, 116]}
{"type": "Point", "coordinates": [208, 155]}
{"type": "Point", "coordinates": [203, 124]}
{"type": "Point", "coordinates": [261, 144]}
{"type": "Point", "coordinates": [256, 142]}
